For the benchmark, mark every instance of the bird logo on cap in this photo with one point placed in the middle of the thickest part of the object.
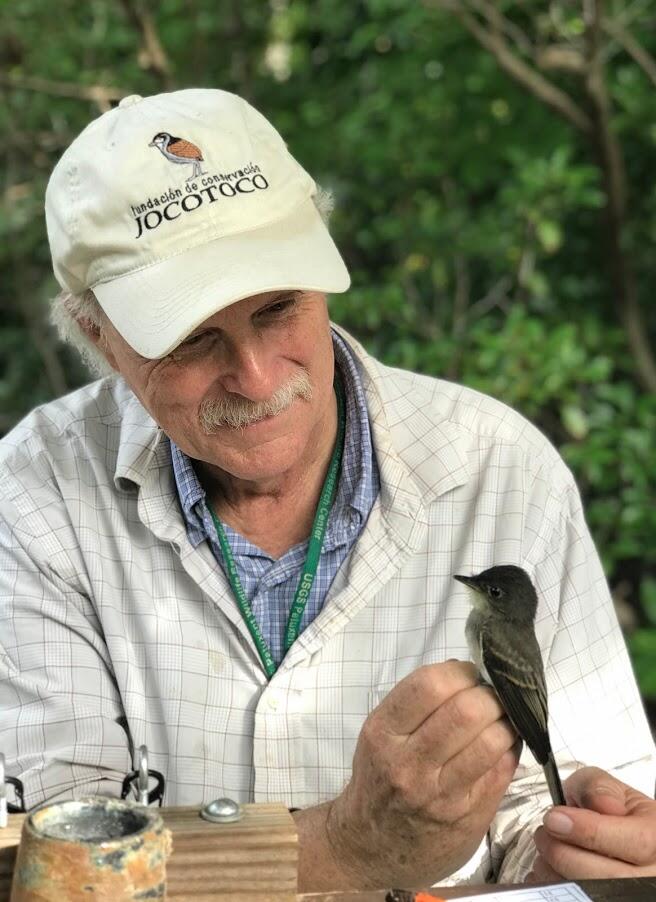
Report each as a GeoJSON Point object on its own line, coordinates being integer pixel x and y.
{"type": "Point", "coordinates": [177, 150]}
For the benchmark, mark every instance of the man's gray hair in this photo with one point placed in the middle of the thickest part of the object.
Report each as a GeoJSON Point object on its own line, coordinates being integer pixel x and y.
{"type": "Point", "coordinates": [70, 313]}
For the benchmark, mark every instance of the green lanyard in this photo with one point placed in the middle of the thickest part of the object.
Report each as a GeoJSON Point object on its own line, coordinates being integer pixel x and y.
{"type": "Point", "coordinates": [313, 554]}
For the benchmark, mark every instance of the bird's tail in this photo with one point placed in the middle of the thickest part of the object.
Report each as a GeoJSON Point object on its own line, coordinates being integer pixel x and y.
{"type": "Point", "coordinates": [553, 781]}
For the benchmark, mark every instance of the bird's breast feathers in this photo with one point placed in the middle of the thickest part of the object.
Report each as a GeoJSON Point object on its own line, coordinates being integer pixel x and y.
{"type": "Point", "coordinates": [185, 149]}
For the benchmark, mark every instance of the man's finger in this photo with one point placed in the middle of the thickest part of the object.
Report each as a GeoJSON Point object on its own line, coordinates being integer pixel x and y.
{"type": "Point", "coordinates": [576, 863]}
{"type": "Point", "coordinates": [629, 838]}
{"type": "Point", "coordinates": [457, 723]}
{"type": "Point", "coordinates": [478, 757]}
{"type": "Point", "coordinates": [421, 693]}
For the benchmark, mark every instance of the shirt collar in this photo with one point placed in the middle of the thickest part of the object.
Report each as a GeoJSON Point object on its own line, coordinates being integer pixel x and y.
{"type": "Point", "coordinates": [359, 481]}
{"type": "Point", "coordinates": [422, 452]}
{"type": "Point", "coordinates": [190, 492]}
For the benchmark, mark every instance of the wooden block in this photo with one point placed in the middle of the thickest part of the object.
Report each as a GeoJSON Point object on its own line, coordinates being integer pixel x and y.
{"type": "Point", "coordinates": [253, 859]}
{"type": "Point", "coordinates": [9, 839]}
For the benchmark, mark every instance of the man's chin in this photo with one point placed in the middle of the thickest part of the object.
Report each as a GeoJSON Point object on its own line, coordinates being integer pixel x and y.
{"type": "Point", "coordinates": [261, 459]}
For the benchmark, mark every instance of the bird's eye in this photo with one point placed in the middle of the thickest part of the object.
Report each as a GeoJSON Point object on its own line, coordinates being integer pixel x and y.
{"type": "Point", "coordinates": [495, 591]}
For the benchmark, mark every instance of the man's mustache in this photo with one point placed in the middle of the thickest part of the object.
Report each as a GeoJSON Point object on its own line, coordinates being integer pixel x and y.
{"type": "Point", "coordinates": [238, 412]}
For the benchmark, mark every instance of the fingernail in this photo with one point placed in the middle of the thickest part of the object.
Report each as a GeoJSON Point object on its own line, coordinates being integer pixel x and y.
{"type": "Point", "coordinates": [555, 822]}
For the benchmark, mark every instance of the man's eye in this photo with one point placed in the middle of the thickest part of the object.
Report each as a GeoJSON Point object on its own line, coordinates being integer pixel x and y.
{"type": "Point", "coordinates": [193, 345]}
{"type": "Point", "coordinates": [194, 339]}
{"type": "Point", "coordinates": [281, 306]}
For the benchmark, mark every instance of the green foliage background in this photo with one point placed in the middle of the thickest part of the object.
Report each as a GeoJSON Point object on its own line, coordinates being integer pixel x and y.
{"type": "Point", "coordinates": [470, 214]}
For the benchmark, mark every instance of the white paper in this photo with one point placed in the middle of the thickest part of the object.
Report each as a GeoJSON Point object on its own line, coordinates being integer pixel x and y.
{"type": "Point", "coordinates": [560, 892]}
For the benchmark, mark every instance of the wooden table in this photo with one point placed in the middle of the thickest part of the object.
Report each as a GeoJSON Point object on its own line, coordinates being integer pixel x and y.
{"type": "Point", "coordinates": [598, 890]}
{"type": "Point", "coordinates": [199, 879]}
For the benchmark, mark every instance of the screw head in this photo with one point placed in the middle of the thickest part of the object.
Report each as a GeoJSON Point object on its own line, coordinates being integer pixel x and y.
{"type": "Point", "coordinates": [222, 811]}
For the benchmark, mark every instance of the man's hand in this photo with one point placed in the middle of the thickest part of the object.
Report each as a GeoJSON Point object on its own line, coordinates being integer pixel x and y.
{"type": "Point", "coordinates": [432, 763]}
{"type": "Point", "coordinates": [611, 832]}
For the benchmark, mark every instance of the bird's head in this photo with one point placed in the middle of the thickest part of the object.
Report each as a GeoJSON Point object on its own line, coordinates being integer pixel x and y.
{"type": "Point", "coordinates": [160, 140]}
{"type": "Point", "coordinates": [507, 589]}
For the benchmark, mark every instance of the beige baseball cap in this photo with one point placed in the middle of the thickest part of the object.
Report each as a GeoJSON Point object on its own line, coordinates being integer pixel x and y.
{"type": "Point", "coordinates": [172, 207]}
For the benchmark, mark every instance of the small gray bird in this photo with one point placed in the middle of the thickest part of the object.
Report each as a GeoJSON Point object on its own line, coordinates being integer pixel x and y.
{"type": "Point", "coordinates": [501, 635]}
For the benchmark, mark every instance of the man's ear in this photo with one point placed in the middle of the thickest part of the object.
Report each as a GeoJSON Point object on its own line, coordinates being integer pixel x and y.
{"type": "Point", "coordinates": [98, 336]}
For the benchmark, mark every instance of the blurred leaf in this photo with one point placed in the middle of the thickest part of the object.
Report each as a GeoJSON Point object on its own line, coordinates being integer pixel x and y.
{"type": "Point", "coordinates": [648, 600]}
{"type": "Point", "coordinates": [550, 235]}
{"type": "Point", "coordinates": [575, 421]}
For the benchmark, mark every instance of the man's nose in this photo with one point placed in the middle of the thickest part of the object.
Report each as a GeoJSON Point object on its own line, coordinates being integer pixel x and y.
{"type": "Point", "coordinates": [250, 370]}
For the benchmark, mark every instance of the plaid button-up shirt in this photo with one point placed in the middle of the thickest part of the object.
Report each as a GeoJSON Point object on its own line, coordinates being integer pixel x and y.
{"type": "Point", "coordinates": [115, 630]}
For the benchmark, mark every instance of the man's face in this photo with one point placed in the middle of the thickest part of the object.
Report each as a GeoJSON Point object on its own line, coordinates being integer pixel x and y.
{"type": "Point", "coordinates": [269, 346]}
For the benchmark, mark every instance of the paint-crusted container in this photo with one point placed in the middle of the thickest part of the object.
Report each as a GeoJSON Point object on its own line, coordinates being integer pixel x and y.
{"type": "Point", "coordinates": [96, 848]}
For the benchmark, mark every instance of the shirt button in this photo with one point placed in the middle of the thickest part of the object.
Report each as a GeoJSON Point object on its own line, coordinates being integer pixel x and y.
{"type": "Point", "coordinates": [273, 702]}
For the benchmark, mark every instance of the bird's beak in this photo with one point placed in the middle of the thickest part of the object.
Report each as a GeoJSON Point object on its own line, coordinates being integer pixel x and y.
{"type": "Point", "coordinates": [468, 581]}
{"type": "Point", "coordinates": [152, 144]}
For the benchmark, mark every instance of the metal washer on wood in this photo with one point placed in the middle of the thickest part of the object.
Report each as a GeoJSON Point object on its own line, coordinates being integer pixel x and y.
{"type": "Point", "coordinates": [222, 811]}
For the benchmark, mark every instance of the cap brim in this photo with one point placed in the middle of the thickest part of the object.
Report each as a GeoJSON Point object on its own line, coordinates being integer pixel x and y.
{"type": "Point", "coordinates": [155, 308]}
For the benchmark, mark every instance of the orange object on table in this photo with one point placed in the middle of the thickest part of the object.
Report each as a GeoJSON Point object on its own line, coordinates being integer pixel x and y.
{"type": "Point", "coordinates": [404, 895]}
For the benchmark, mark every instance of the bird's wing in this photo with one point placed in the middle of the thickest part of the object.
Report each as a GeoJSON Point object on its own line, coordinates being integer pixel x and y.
{"type": "Point", "coordinates": [186, 149]}
{"type": "Point", "coordinates": [521, 689]}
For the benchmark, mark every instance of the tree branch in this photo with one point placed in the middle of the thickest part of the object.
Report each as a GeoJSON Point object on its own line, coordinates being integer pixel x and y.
{"type": "Point", "coordinates": [535, 83]}
{"type": "Point", "coordinates": [152, 54]}
{"type": "Point", "coordinates": [633, 47]}
{"type": "Point", "coordinates": [598, 129]}
{"type": "Point", "coordinates": [99, 94]}
{"type": "Point", "coordinates": [502, 24]}
{"type": "Point", "coordinates": [611, 163]}
{"type": "Point", "coordinates": [497, 296]}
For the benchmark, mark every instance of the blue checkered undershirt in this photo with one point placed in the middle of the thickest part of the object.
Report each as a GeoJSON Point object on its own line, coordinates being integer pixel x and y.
{"type": "Point", "coordinates": [270, 584]}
